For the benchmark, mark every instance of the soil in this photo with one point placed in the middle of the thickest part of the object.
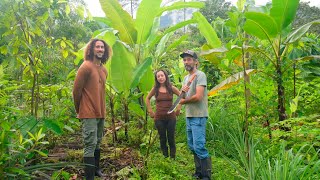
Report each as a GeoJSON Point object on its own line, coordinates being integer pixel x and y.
{"type": "Point", "coordinates": [115, 162]}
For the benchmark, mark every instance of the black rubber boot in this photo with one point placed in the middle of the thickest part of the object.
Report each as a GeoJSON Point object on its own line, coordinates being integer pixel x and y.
{"type": "Point", "coordinates": [173, 153]}
{"type": "Point", "coordinates": [165, 151]}
{"type": "Point", "coordinates": [98, 170]}
{"type": "Point", "coordinates": [197, 164]}
{"type": "Point", "coordinates": [89, 168]}
{"type": "Point", "coordinates": [206, 168]}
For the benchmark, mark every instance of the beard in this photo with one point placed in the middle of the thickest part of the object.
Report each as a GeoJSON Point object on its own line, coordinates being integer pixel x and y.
{"type": "Point", "coordinates": [99, 56]}
{"type": "Point", "coordinates": [188, 68]}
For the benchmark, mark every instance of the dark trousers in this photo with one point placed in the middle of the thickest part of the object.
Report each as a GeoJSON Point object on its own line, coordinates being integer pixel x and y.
{"type": "Point", "coordinates": [166, 129]}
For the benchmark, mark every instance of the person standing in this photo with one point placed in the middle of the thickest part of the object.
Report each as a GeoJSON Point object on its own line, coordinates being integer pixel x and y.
{"type": "Point", "coordinates": [196, 104]}
{"type": "Point", "coordinates": [165, 123]}
{"type": "Point", "coordinates": [89, 102]}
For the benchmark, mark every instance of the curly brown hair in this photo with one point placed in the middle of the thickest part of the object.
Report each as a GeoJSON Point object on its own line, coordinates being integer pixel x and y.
{"type": "Point", "coordinates": [89, 54]}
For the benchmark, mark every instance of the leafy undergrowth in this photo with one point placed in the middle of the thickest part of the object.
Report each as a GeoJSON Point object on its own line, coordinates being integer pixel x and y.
{"type": "Point", "coordinates": [124, 162]}
{"type": "Point", "coordinates": [116, 162]}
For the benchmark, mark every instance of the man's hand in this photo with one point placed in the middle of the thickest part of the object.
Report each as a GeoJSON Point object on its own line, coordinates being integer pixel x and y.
{"type": "Point", "coordinates": [182, 101]}
{"type": "Point", "coordinates": [185, 88]}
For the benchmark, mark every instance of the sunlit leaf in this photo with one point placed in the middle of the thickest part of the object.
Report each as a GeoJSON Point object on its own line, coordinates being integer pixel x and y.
{"type": "Point", "coordinates": [140, 71]}
{"type": "Point", "coordinates": [136, 108]}
{"type": "Point", "coordinates": [207, 30]}
{"type": "Point", "coordinates": [229, 82]}
{"type": "Point", "coordinates": [180, 5]}
{"type": "Point", "coordinates": [260, 25]}
{"type": "Point", "coordinates": [121, 20]}
{"type": "Point", "coordinates": [176, 43]}
{"type": "Point", "coordinates": [298, 33]}
{"type": "Point", "coordinates": [162, 44]}
{"type": "Point", "coordinates": [122, 64]}
{"type": "Point", "coordinates": [147, 11]}
{"type": "Point", "coordinates": [170, 29]}
{"type": "Point", "coordinates": [283, 12]}
{"type": "Point", "coordinates": [308, 58]}
{"type": "Point", "coordinates": [212, 55]}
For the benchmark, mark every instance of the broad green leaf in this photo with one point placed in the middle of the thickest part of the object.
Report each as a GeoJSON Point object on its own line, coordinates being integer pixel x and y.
{"type": "Point", "coordinates": [140, 71]}
{"type": "Point", "coordinates": [171, 29]}
{"type": "Point", "coordinates": [283, 12]}
{"type": "Point", "coordinates": [4, 50]}
{"type": "Point", "coordinates": [176, 43]}
{"type": "Point", "coordinates": [121, 20]}
{"type": "Point", "coordinates": [207, 30]}
{"type": "Point", "coordinates": [136, 108]}
{"type": "Point", "coordinates": [298, 33]}
{"type": "Point", "coordinates": [147, 81]}
{"type": "Point", "coordinates": [215, 50]}
{"type": "Point", "coordinates": [154, 33]}
{"type": "Point", "coordinates": [146, 13]}
{"type": "Point", "coordinates": [68, 128]}
{"type": "Point", "coordinates": [162, 44]}
{"type": "Point", "coordinates": [41, 153]}
{"type": "Point", "coordinates": [308, 58]}
{"type": "Point", "coordinates": [180, 5]}
{"type": "Point", "coordinates": [260, 25]}
{"type": "Point", "coordinates": [121, 67]}
{"type": "Point", "coordinates": [103, 20]}
{"type": "Point", "coordinates": [294, 102]}
{"type": "Point", "coordinates": [80, 11]}
{"type": "Point", "coordinates": [232, 22]}
{"type": "Point", "coordinates": [67, 9]}
{"type": "Point", "coordinates": [240, 4]}
{"type": "Point", "coordinates": [294, 105]}
{"type": "Point", "coordinates": [212, 54]}
{"type": "Point", "coordinates": [65, 53]}
{"type": "Point", "coordinates": [53, 126]}
{"type": "Point", "coordinates": [229, 82]}
{"type": "Point", "coordinates": [108, 35]}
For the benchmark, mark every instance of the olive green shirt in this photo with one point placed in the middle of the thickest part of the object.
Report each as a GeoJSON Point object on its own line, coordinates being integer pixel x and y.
{"type": "Point", "coordinates": [200, 108]}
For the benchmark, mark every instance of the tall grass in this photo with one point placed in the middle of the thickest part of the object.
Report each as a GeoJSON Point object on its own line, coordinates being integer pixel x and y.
{"type": "Point", "coordinates": [264, 164]}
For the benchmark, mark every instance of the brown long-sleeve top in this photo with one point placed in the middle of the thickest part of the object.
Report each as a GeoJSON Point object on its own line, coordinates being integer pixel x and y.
{"type": "Point", "coordinates": [89, 91]}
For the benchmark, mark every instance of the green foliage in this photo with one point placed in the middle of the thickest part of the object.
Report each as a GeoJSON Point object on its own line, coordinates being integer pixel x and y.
{"type": "Point", "coordinates": [298, 131]}
{"type": "Point", "coordinates": [38, 48]}
{"type": "Point", "coordinates": [306, 13]}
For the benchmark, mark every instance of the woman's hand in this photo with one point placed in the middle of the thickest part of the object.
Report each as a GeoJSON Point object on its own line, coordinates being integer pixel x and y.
{"type": "Point", "coordinates": [177, 112]}
{"type": "Point", "coordinates": [152, 115]}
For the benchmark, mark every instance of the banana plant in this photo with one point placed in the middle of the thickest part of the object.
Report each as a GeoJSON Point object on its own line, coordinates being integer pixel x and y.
{"type": "Point", "coordinates": [272, 27]}
{"type": "Point", "coordinates": [139, 37]}
{"type": "Point", "coordinates": [133, 41]}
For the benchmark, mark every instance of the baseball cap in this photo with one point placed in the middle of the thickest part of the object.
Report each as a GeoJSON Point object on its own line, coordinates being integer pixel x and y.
{"type": "Point", "coordinates": [189, 53]}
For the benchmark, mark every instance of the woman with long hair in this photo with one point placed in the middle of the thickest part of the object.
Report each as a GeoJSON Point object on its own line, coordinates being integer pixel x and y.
{"type": "Point", "coordinates": [165, 123]}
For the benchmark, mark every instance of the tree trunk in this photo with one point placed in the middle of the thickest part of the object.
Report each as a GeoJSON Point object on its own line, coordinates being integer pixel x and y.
{"type": "Point", "coordinates": [126, 119]}
{"type": "Point", "coordinates": [294, 85]}
{"type": "Point", "coordinates": [32, 94]}
{"type": "Point", "coordinates": [37, 97]}
{"type": "Point", "coordinates": [114, 134]}
{"type": "Point", "coordinates": [246, 96]}
{"type": "Point", "coordinates": [281, 98]}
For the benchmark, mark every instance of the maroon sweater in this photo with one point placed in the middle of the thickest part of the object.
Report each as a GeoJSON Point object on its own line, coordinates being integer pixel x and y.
{"type": "Point", "coordinates": [89, 91]}
{"type": "Point", "coordinates": [163, 104]}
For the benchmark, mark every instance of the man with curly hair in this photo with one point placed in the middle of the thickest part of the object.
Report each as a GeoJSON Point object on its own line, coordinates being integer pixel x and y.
{"type": "Point", "coordinates": [89, 101]}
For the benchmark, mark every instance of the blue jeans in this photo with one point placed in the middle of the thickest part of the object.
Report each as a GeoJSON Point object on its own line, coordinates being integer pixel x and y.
{"type": "Point", "coordinates": [196, 135]}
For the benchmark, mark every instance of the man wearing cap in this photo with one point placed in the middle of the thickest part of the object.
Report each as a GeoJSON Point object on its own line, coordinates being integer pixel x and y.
{"type": "Point", "coordinates": [196, 102]}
